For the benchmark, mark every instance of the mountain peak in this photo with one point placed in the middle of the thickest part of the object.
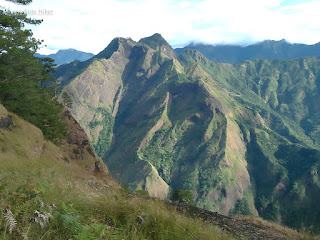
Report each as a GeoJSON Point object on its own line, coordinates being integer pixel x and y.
{"type": "Point", "coordinates": [113, 47]}
{"type": "Point", "coordinates": [64, 56]}
{"type": "Point", "coordinates": [155, 41]}
{"type": "Point", "coordinates": [272, 42]}
{"type": "Point", "coordinates": [68, 50]}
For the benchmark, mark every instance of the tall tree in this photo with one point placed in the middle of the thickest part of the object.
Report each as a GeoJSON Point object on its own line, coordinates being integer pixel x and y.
{"type": "Point", "coordinates": [66, 100]}
{"type": "Point", "coordinates": [23, 76]}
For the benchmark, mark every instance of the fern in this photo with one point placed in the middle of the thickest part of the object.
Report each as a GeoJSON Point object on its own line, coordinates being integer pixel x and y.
{"type": "Point", "coordinates": [10, 220]}
{"type": "Point", "coordinates": [42, 218]}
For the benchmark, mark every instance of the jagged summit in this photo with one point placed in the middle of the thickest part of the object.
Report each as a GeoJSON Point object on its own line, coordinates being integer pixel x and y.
{"type": "Point", "coordinates": [235, 135]}
{"type": "Point", "coordinates": [113, 47]}
{"type": "Point", "coordinates": [157, 42]}
{"type": "Point", "coordinates": [282, 41]}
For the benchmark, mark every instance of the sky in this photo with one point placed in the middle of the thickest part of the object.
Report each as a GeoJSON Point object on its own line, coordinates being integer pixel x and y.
{"type": "Point", "coordinates": [90, 25]}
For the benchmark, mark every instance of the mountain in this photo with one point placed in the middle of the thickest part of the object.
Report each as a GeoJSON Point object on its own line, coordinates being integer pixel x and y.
{"type": "Point", "coordinates": [65, 192]}
{"type": "Point", "coordinates": [268, 49]}
{"type": "Point", "coordinates": [67, 56]}
{"type": "Point", "coordinates": [243, 138]}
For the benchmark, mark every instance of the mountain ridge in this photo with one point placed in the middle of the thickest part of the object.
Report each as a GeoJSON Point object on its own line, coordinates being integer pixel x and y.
{"type": "Point", "coordinates": [162, 123]}
{"type": "Point", "coordinates": [58, 178]}
{"type": "Point", "coordinates": [69, 55]}
{"type": "Point", "coordinates": [268, 49]}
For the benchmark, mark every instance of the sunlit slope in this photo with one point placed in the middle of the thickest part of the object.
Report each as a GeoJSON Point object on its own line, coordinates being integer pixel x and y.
{"type": "Point", "coordinates": [243, 138]}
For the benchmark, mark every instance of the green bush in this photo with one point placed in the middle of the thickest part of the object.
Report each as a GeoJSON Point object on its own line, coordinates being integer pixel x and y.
{"type": "Point", "coordinates": [182, 196]}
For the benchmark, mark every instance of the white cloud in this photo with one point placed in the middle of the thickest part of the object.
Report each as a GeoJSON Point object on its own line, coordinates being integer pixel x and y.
{"type": "Point", "coordinates": [91, 25]}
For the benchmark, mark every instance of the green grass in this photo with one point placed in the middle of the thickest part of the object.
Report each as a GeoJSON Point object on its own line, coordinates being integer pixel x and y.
{"type": "Point", "coordinates": [199, 147]}
{"type": "Point", "coordinates": [50, 198]}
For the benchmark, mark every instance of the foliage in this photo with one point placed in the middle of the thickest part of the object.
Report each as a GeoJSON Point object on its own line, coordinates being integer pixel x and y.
{"type": "Point", "coordinates": [182, 196]}
{"type": "Point", "coordinates": [66, 100]}
{"type": "Point", "coordinates": [199, 123]}
{"type": "Point", "coordinates": [33, 187]}
{"type": "Point", "coordinates": [23, 77]}
{"type": "Point", "coordinates": [102, 145]}
{"type": "Point", "coordinates": [155, 41]}
{"type": "Point", "coordinates": [241, 208]}
{"type": "Point", "coordinates": [143, 193]}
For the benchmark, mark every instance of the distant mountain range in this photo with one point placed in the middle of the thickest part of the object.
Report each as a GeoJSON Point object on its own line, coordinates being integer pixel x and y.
{"type": "Point", "coordinates": [67, 56]}
{"type": "Point", "coordinates": [268, 49]}
{"type": "Point", "coordinates": [243, 138]}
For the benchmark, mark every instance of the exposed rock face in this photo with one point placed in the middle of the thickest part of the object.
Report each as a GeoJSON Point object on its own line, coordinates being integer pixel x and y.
{"type": "Point", "coordinates": [6, 122]}
{"type": "Point", "coordinates": [77, 146]}
{"type": "Point", "coordinates": [231, 134]}
{"type": "Point", "coordinates": [96, 92]}
{"type": "Point", "coordinates": [123, 81]}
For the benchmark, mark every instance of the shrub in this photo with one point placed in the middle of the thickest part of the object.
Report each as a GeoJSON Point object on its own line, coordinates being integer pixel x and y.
{"type": "Point", "coordinates": [182, 196]}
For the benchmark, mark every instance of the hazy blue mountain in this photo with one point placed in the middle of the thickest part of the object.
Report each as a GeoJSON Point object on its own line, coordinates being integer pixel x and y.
{"type": "Point", "coordinates": [268, 49]}
{"type": "Point", "coordinates": [67, 56]}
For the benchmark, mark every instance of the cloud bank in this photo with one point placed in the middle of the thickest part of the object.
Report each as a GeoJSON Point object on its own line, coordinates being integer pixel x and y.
{"type": "Point", "coordinates": [90, 25]}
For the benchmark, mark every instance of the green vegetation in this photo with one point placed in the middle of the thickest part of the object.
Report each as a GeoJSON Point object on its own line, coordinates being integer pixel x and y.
{"type": "Point", "coordinates": [242, 206]}
{"type": "Point", "coordinates": [46, 197]}
{"type": "Point", "coordinates": [155, 41]}
{"type": "Point", "coordinates": [244, 138]}
{"type": "Point", "coordinates": [103, 143]}
{"type": "Point", "coordinates": [268, 49]}
{"type": "Point", "coordinates": [23, 77]}
{"type": "Point", "coordinates": [66, 100]}
{"type": "Point", "coordinates": [182, 196]}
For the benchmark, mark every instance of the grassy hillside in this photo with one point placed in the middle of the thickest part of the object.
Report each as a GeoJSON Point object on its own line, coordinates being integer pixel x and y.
{"type": "Point", "coordinates": [236, 136]}
{"type": "Point", "coordinates": [43, 196]}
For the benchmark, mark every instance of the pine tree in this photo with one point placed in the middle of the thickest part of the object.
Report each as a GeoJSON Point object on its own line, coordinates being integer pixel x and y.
{"type": "Point", "coordinates": [66, 100]}
{"type": "Point", "coordinates": [24, 79]}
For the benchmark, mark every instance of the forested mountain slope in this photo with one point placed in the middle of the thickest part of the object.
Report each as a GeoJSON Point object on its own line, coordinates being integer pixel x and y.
{"type": "Point", "coordinates": [243, 138]}
{"type": "Point", "coordinates": [268, 49]}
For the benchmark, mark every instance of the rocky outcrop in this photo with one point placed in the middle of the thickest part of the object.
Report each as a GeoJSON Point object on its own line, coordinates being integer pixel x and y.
{"type": "Point", "coordinates": [6, 123]}
{"type": "Point", "coordinates": [228, 133]}
{"type": "Point", "coordinates": [241, 228]}
{"type": "Point", "coordinates": [77, 145]}
{"type": "Point", "coordinates": [5, 120]}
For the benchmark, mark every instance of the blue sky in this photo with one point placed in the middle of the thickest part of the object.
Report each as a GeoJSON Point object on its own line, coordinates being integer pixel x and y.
{"type": "Point", "coordinates": [91, 25]}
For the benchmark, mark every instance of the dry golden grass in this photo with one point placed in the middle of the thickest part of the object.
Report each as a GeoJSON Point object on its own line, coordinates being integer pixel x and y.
{"type": "Point", "coordinates": [95, 201]}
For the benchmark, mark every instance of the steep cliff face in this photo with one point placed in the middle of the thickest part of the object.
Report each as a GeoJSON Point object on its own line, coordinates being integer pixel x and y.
{"type": "Point", "coordinates": [223, 131]}
{"type": "Point", "coordinates": [96, 93]}
{"type": "Point", "coordinates": [171, 129]}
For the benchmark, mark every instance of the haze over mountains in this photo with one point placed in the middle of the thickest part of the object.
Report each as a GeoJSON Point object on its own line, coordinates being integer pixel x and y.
{"type": "Point", "coordinates": [268, 49]}
{"type": "Point", "coordinates": [67, 56]}
{"type": "Point", "coordinates": [244, 138]}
